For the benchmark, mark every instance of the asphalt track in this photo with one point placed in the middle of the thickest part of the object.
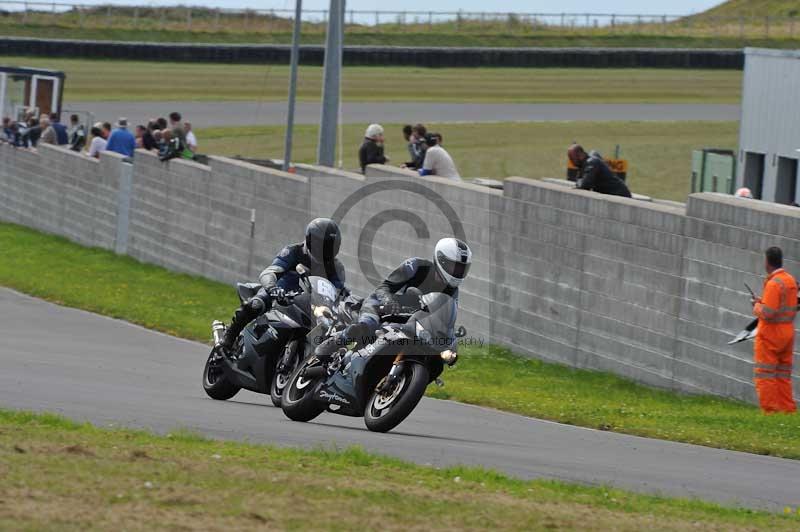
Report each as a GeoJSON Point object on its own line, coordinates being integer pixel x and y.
{"type": "Point", "coordinates": [106, 371]}
{"type": "Point", "coordinates": [210, 114]}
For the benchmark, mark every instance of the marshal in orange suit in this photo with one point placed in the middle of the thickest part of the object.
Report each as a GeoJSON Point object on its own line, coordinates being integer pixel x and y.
{"type": "Point", "coordinates": [776, 311]}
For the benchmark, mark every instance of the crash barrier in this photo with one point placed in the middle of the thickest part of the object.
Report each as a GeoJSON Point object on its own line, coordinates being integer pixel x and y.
{"type": "Point", "coordinates": [381, 55]}
{"type": "Point", "coordinates": [646, 290]}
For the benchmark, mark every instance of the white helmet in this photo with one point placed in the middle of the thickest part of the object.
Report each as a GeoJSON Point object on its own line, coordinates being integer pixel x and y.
{"type": "Point", "coordinates": [453, 259]}
{"type": "Point", "coordinates": [373, 130]}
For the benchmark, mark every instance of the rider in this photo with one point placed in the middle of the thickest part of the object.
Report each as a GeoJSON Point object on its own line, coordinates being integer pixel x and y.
{"type": "Point", "coordinates": [317, 253]}
{"type": "Point", "coordinates": [451, 262]}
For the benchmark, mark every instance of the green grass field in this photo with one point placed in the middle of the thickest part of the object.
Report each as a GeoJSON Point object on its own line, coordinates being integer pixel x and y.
{"type": "Point", "coordinates": [659, 152]}
{"type": "Point", "coordinates": [103, 80]}
{"type": "Point", "coordinates": [102, 282]}
{"type": "Point", "coordinates": [60, 475]}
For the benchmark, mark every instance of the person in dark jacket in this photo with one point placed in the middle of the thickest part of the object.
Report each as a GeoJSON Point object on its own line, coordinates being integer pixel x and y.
{"type": "Point", "coordinates": [371, 151]}
{"type": "Point", "coordinates": [594, 173]}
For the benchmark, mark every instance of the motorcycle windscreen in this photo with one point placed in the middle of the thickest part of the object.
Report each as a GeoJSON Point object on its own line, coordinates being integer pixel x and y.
{"type": "Point", "coordinates": [322, 291]}
{"type": "Point", "coordinates": [438, 320]}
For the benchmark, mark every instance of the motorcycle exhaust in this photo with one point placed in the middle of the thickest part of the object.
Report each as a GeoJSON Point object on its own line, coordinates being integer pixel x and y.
{"type": "Point", "coordinates": [217, 332]}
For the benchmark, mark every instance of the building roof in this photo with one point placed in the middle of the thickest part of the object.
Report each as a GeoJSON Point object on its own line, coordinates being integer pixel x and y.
{"type": "Point", "coordinates": [31, 71]}
{"type": "Point", "coordinates": [770, 52]}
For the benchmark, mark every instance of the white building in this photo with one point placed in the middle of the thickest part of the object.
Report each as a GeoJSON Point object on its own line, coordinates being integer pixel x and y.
{"type": "Point", "coordinates": [769, 134]}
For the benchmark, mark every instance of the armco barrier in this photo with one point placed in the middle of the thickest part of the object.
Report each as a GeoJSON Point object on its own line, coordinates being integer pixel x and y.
{"type": "Point", "coordinates": [647, 290]}
{"type": "Point", "coordinates": [382, 55]}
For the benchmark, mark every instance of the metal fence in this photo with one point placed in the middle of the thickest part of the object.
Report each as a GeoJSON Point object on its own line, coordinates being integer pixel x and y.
{"type": "Point", "coordinates": [186, 18]}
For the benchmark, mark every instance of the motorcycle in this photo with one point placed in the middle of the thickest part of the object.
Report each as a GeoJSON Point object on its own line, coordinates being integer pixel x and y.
{"type": "Point", "coordinates": [385, 380]}
{"type": "Point", "coordinates": [270, 347]}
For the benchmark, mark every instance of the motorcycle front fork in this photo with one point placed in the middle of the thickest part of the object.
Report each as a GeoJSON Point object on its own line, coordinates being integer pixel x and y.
{"type": "Point", "coordinates": [394, 374]}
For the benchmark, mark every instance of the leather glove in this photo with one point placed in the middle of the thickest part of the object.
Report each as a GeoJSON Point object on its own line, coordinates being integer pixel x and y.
{"type": "Point", "coordinates": [391, 307]}
{"type": "Point", "coordinates": [277, 294]}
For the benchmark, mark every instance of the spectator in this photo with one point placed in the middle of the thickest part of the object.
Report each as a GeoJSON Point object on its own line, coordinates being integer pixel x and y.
{"type": "Point", "coordinates": [176, 127]}
{"type": "Point", "coordinates": [594, 173]}
{"type": "Point", "coordinates": [149, 142]}
{"type": "Point", "coordinates": [437, 161]}
{"type": "Point", "coordinates": [121, 140]}
{"type": "Point", "coordinates": [191, 140]}
{"type": "Point", "coordinates": [61, 131]}
{"type": "Point", "coordinates": [371, 151]}
{"type": "Point", "coordinates": [76, 133]}
{"type": "Point", "coordinates": [31, 133]}
{"type": "Point", "coordinates": [161, 123]}
{"type": "Point", "coordinates": [139, 135]}
{"type": "Point", "coordinates": [49, 135]}
{"type": "Point", "coordinates": [172, 147]}
{"type": "Point", "coordinates": [744, 193]}
{"type": "Point", "coordinates": [9, 131]}
{"type": "Point", "coordinates": [106, 130]}
{"type": "Point", "coordinates": [418, 136]}
{"type": "Point", "coordinates": [98, 143]}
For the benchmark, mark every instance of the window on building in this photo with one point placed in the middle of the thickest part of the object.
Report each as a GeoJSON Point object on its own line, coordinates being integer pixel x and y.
{"type": "Point", "coordinates": [754, 173]}
{"type": "Point", "coordinates": [786, 183]}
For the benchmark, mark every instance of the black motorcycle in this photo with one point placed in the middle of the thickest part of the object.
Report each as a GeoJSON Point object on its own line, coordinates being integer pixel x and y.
{"type": "Point", "coordinates": [385, 380]}
{"type": "Point", "coordinates": [270, 348]}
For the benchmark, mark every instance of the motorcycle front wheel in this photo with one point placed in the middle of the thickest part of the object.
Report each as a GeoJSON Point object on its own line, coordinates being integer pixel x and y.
{"type": "Point", "coordinates": [279, 382]}
{"type": "Point", "coordinates": [297, 399]}
{"type": "Point", "coordinates": [215, 383]}
{"type": "Point", "coordinates": [388, 409]}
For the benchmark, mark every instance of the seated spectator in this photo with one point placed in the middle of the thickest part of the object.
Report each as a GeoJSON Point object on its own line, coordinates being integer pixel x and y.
{"type": "Point", "coordinates": [191, 139]}
{"type": "Point", "coordinates": [49, 135]}
{"type": "Point", "coordinates": [31, 133]}
{"type": "Point", "coordinates": [121, 140]}
{"type": "Point", "coordinates": [371, 151]}
{"type": "Point", "coordinates": [76, 134]}
{"type": "Point", "coordinates": [437, 161]}
{"type": "Point", "coordinates": [106, 130]}
{"type": "Point", "coordinates": [61, 131]}
{"type": "Point", "coordinates": [98, 143]}
{"type": "Point", "coordinates": [172, 147]}
{"type": "Point", "coordinates": [594, 173]}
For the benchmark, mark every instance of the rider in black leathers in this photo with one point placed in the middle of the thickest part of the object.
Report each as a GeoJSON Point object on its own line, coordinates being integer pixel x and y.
{"type": "Point", "coordinates": [451, 264]}
{"type": "Point", "coordinates": [317, 253]}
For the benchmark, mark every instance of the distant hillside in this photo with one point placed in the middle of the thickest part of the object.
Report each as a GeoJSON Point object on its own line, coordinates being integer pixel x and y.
{"type": "Point", "coordinates": [754, 8]}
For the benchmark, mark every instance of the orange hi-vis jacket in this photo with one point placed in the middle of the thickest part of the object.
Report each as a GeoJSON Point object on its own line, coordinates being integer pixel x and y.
{"type": "Point", "coordinates": [777, 308]}
{"type": "Point", "coordinates": [774, 346]}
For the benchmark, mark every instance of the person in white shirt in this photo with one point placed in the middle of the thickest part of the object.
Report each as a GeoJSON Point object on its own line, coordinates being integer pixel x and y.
{"type": "Point", "coordinates": [98, 143]}
{"type": "Point", "coordinates": [437, 161]}
{"type": "Point", "coordinates": [191, 140]}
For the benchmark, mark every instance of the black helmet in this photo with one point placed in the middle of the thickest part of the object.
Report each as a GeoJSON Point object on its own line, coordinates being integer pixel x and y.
{"type": "Point", "coordinates": [323, 239]}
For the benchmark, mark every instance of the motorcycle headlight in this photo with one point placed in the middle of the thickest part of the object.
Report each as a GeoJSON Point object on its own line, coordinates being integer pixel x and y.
{"type": "Point", "coordinates": [449, 357]}
{"type": "Point", "coordinates": [321, 311]}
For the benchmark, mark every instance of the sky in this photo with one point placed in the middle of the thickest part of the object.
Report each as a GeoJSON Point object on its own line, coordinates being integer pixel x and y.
{"type": "Point", "coordinates": [673, 7]}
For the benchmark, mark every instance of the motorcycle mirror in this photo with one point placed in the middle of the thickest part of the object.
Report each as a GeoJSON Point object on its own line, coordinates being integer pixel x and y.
{"type": "Point", "coordinates": [461, 332]}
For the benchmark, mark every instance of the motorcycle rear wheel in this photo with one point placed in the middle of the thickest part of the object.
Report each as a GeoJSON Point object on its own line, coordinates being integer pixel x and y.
{"type": "Point", "coordinates": [385, 411]}
{"type": "Point", "coordinates": [215, 383]}
{"type": "Point", "coordinates": [297, 399]}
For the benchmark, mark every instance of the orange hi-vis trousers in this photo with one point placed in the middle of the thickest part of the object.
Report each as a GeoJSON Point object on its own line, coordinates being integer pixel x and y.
{"type": "Point", "coordinates": [774, 346]}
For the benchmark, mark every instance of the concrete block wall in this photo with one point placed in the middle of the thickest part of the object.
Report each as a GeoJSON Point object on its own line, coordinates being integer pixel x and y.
{"type": "Point", "coordinates": [60, 191]}
{"type": "Point", "coordinates": [648, 290]}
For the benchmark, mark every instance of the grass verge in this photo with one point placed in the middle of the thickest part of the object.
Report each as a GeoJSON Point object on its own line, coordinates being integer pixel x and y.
{"type": "Point", "coordinates": [58, 474]}
{"type": "Point", "coordinates": [102, 282]}
{"type": "Point", "coordinates": [113, 80]}
{"type": "Point", "coordinates": [659, 153]}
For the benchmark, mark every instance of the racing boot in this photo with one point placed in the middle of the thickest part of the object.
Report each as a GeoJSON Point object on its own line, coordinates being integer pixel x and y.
{"type": "Point", "coordinates": [249, 311]}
